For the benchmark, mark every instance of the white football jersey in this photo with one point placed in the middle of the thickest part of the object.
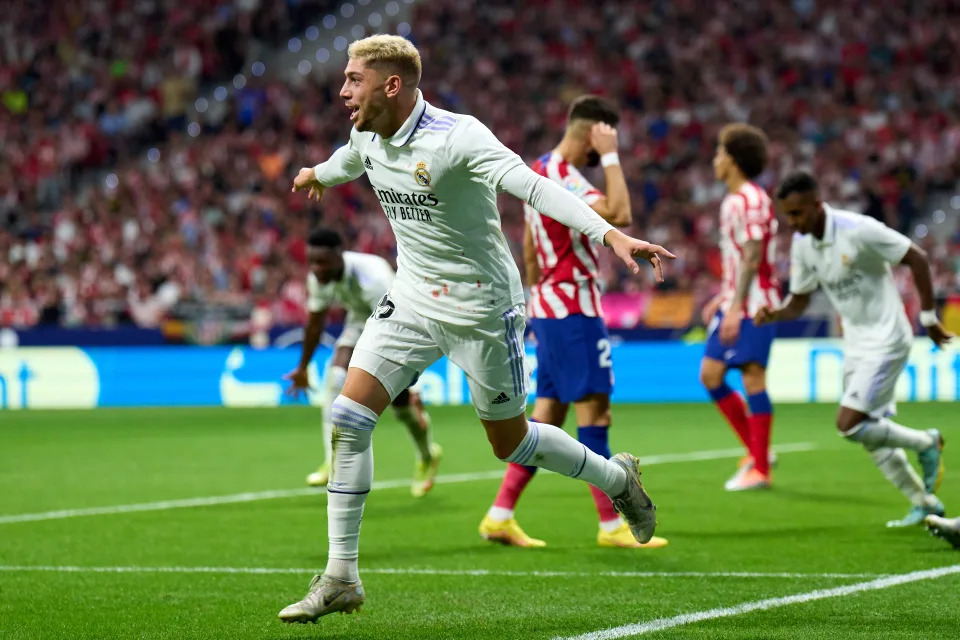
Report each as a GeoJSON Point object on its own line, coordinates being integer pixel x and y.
{"type": "Point", "coordinates": [437, 180]}
{"type": "Point", "coordinates": [366, 278]}
{"type": "Point", "coordinates": [852, 263]}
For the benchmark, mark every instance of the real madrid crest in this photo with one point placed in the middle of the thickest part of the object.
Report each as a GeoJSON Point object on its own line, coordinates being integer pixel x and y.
{"type": "Point", "coordinates": [422, 175]}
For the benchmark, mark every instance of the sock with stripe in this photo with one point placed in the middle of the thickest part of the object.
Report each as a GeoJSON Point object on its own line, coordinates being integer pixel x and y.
{"type": "Point", "coordinates": [515, 480]}
{"type": "Point", "coordinates": [887, 433]}
{"type": "Point", "coordinates": [731, 405]}
{"type": "Point", "coordinates": [547, 446]}
{"type": "Point", "coordinates": [351, 474]}
{"type": "Point", "coordinates": [597, 440]}
{"type": "Point", "coordinates": [760, 422]}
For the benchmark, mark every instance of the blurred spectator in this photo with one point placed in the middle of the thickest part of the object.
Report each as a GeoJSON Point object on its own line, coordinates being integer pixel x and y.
{"type": "Point", "coordinates": [113, 210]}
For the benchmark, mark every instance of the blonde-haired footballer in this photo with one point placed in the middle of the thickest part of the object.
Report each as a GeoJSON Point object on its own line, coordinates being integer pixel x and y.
{"type": "Point", "coordinates": [457, 293]}
{"type": "Point", "coordinates": [850, 256]}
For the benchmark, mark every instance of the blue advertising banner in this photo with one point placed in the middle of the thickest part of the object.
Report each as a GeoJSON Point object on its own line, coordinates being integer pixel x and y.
{"type": "Point", "coordinates": [41, 377]}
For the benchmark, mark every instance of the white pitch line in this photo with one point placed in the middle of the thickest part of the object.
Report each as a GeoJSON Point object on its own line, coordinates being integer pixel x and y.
{"type": "Point", "coordinates": [254, 496]}
{"type": "Point", "coordinates": [444, 572]}
{"type": "Point", "coordinates": [642, 628]}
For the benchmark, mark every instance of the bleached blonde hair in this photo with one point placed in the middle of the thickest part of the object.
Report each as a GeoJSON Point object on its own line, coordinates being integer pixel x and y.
{"type": "Point", "coordinates": [392, 55]}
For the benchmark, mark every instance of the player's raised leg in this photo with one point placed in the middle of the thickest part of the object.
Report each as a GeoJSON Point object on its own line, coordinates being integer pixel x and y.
{"type": "Point", "coordinates": [409, 409]}
{"type": "Point", "coordinates": [354, 413]}
{"type": "Point", "coordinates": [885, 440]}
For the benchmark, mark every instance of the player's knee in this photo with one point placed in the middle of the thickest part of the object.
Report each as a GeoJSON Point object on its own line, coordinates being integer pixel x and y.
{"type": "Point", "coordinates": [850, 422]}
{"type": "Point", "coordinates": [353, 423]}
{"type": "Point", "coordinates": [710, 377]}
{"type": "Point", "coordinates": [754, 381]}
{"type": "Point", "coordinates": [509, 444]}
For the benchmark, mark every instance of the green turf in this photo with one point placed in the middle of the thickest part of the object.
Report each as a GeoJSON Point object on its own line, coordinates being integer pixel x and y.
{"type": "Point", "coordinates": [825, 515]}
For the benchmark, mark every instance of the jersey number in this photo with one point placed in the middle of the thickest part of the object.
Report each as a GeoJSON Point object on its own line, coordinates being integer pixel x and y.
{"type": "Point", "coordinates": [603, 346]}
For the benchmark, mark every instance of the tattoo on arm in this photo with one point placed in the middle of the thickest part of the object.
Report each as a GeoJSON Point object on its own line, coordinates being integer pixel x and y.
{"type": "Point", "coordinates": [748, 269]}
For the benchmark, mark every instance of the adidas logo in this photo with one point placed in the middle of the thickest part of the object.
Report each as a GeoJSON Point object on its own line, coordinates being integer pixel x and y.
{"type": "Point", "coordinates": [367, 163]}
{"type": "Point", "coordinates": [855, 395]}
{"type": "Point", "coordinates": [500, 399]}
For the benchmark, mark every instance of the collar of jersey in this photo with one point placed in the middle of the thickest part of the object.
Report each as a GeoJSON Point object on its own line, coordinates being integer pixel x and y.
{"type": "Point", "coordinates": [829, 227]}
{"type": "Point", "coordinates": [407, 129]}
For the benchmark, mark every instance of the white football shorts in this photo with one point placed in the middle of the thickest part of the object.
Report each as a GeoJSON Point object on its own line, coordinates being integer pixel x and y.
{"type": "Point", "coordinates": [869, 384]}
{"type": "Point", "coordinates": [352, 328]}
{"type": "Point", "coordinates": [398, 344]}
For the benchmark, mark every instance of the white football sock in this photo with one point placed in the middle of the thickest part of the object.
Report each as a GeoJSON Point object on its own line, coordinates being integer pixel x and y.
{"type": "Point", "coordinates": [610, 526]}
{"type": "Point", "coordinates": [895, 467]}
{"type": "Point", "coordinates": [420, 434]}
{"type": "Point", "coordinates": [333, 385]}
{"type": "Point", "coordinates": [500, 513]}
{"type": "Point", "coordinates": [884, 432]}
{"type": "Point", "coordinates": [552, 448]}
{"type": "Point", "coordinates": [351, 474]}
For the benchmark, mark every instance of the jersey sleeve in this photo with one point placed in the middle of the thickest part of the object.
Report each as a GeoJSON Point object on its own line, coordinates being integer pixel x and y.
{"type": "Point", "coordinates": [317, 298]}
{"type": "Point", "coordinates": [343, 166]}
{"type": "Point", "coordinates": [575, 183]}
{"type": "Point", "coordinates": [756, 222]}
{"type": "Point", "coordinates": [375, 282]}
{"type": "Point", "coordinates": [803, 279]}
{"type": "Point", "coordinates": [474, 146]}
{"type": "Point", "coordinates": [878, 238]}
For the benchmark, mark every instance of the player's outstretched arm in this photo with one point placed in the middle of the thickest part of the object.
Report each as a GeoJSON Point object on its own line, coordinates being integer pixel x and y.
{"type": "Point", "coordinates": [916, 259]}
{"type": "Point", "coordinates": [792, 308]}
{"type": "Point", "coordinates": [299, 382]}
{"type": "Point", "coordinates": [628, 248]}
{"type": "Point", "coordinates": [343, 166]}
{"type": "Point", "coordinates": [554, 201]}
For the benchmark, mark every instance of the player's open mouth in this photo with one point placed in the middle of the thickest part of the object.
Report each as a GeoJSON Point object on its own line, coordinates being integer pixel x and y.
{"type": "Point", "coordinates": [354, 112]}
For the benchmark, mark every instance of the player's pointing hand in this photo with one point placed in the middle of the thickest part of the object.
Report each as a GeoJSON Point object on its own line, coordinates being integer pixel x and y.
{"type": "Point", "coordinates": [628, 248]}
{"type": "Point", "coordinates": [307, 179]}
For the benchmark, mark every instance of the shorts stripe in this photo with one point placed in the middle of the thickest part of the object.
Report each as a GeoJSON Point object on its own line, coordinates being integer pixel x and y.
{"type": "Point", "coordinates": [510, 335]}
{"type": "Point", "coordinates": [517, 352]}
{"type": "Point", "coordinates": [515, 361]}
{"type": "Point", "coordinates": [878, 379]}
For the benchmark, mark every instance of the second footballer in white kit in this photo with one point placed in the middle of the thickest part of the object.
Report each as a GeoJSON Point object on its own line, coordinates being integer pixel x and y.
{"type": "Point", "coordinates": [357, 282]}
{"type": "Point", "coordinates": [457, 293]}
{"type": "Point", "coordinates": [850, 256]}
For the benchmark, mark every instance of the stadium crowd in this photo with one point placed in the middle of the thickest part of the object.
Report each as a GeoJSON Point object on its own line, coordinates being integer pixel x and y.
{"type": "Point", "coordinates": [115, 206]}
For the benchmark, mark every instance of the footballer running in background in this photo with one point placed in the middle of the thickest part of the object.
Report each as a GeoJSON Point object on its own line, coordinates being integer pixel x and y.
{"type": "Point", "coordinates": [850, 256]}
{"type": "Point", "coordinates": [356, 282]}
{"type": "Point", "coordinates": [573, 348]}
{"type": "Point", "coordinates": [457, 293]}
{"type": "Point", "coordinates": [748, 231]}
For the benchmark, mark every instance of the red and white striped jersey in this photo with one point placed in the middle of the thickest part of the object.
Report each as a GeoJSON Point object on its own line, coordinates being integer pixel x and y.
{"type": "Point", "coordinates": [748, 215]}
{"type": "Point", "coordinates": [567, 258]}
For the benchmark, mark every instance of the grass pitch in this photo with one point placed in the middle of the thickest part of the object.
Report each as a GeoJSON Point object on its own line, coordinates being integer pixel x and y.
{"type": "Point", "coordinates": [198, 565]}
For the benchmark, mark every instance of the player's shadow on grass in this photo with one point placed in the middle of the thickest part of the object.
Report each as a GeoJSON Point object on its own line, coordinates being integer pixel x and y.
{"type": "Point", "coordinates": [834, 498]}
